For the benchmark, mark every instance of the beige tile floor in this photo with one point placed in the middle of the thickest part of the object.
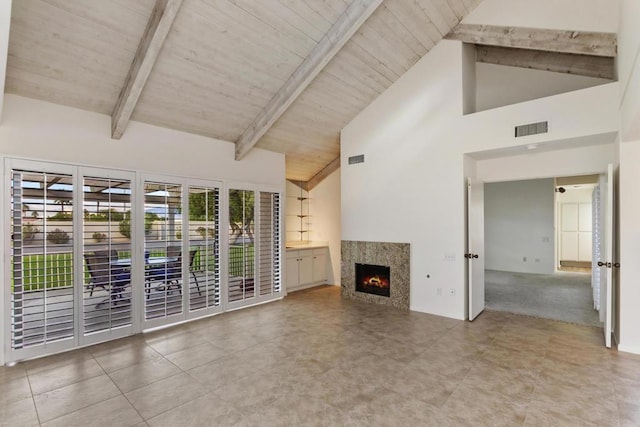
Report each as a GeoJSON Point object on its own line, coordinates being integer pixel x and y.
{"type": "Point", "coordinates": [316, 359]}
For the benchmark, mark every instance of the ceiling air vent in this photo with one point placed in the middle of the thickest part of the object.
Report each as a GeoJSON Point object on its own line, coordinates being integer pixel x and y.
{"type": "Point", "coordinates": [356, 159]}
{"type": "Point", "coordinates": [532, 129]}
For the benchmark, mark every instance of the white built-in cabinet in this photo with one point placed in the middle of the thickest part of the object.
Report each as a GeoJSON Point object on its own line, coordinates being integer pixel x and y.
{"type": "Point", "coordinates": [306, 268]}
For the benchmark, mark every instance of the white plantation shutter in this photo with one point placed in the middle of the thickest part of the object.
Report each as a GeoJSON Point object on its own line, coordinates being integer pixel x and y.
{"type": "Point", "coordinates": [163, 238]}
{"type": "Point", "coordinates": [107, 238]}
{"type": "Point", "coordinates": [241, 285]}
{"type": "Point", "coordinates": [269, 243]}
{"type": "Point", "coordinates": [204, 247]}
{"type": "Point", "coordinates": [42, 295]}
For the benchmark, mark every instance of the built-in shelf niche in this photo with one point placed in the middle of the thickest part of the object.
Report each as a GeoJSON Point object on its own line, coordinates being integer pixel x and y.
{"type": "Point", "coordinates": [297, 216]}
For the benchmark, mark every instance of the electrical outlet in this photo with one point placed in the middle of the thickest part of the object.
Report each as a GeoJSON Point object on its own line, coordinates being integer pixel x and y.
{"type": "Point", "coordinates": [524, 259]}
{"type": "Point", "coordinates": [439, 292]}
{"type": "Point", "coordinates": [449, 257]}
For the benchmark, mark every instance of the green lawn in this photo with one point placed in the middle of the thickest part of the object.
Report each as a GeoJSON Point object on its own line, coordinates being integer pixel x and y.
{"type": "Point", "coordinates": [56, 270]}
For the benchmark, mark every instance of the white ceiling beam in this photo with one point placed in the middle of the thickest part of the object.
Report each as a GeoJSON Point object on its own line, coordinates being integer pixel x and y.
{"type": "Point", "coordinates": [576, 42]}
{"type": "Point", "coordinates": [159, 24]}
{"type": "Point", "coordinates": [330, 44]}
{"type": "Point", "coordinates": [567, 63]}
{"type": "Point", "coordinates": [5, 24]}
{"type": "Point", "coordinates": [325, 172]}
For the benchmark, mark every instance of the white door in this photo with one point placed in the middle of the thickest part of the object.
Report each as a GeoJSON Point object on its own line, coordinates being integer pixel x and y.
{"type": "Point", "coordinates": [607, 263]}
{"type": "Point", "coordinates": [475, 246]}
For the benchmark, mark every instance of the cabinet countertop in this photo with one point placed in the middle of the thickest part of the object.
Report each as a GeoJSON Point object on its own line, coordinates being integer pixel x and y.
{"type": "Point", "coordinates": [306, 246]}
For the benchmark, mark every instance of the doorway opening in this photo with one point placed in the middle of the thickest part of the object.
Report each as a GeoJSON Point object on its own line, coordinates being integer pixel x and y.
{"type": "Point", "coordinates": [540, 242]}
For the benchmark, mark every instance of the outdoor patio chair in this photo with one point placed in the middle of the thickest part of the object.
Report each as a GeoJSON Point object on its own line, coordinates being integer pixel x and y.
{"type": "Point", "coordinates": [113, 254]}
{"type": "Point", "coordinates": [108, 277]}
{"type": "Point", "coordinates": [170, 273]}
{"type": "Point", "coordinates": [192, 256]}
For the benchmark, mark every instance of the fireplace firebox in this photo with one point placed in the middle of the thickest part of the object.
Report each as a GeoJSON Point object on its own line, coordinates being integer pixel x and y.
{"type": "Point", "coordinates": [373, 279]}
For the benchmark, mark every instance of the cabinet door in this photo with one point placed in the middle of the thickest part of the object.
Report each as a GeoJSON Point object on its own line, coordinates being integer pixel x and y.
{"type": "Point", "coordinates": [305, 272]}
{"type": "Point", "coordinates": [292, 270]}
{"type": "Point", "coordinates": [319, 265]}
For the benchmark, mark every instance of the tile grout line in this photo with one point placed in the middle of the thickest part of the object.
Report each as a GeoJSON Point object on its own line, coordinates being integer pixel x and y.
{"type": "Point", "coordinates": [33, 398]}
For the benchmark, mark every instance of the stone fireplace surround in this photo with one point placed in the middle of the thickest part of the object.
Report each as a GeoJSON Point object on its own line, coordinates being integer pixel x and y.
{"type": "Point", "coordinates": [394, 255]}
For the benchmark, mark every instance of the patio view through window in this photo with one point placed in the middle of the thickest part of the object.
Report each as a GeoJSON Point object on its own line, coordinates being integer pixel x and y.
{"type": "Point", "coordinates": [75, 277]}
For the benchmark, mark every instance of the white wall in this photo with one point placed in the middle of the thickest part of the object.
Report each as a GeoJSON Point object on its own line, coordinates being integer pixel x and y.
{"type": "Point", "coordinates": [548, 164]}
{"type": "Point", "coordinates": [519, 226]}
{"type": "Point", "coordinates": [585, 15]}
{"type": "Point", "coordinates": [43, 131]}
{"type": "Point", "coordinates": [325, 220]}
{"type": "Point", "coordinates": [5, 23]}
{"type": "Point", "coordinates": [629, 227]}
{"type": "Point", "coordinates": [499, 85]}
{"type": "Point", "coordinates": [414, 137]}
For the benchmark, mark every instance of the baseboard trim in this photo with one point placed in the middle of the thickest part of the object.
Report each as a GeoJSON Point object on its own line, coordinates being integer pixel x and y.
{"type": "Point", "coordinates": [629, 349]}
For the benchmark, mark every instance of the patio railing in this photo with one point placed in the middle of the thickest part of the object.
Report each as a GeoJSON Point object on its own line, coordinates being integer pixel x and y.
{"type": "Point", "coordinates": [52, 271]}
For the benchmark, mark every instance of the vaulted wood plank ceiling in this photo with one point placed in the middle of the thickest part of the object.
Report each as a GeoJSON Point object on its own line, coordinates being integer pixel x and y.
{"type": "Point", "coordinates": [224, 60]}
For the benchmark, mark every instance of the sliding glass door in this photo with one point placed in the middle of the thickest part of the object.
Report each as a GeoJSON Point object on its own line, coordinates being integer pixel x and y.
{"type": "Point", "coordinates": [254, 246]}
{"type": "Point", "coordinates": [204, 247]}
{"type": "Point", "coordinates": [98, 254]}
{"type": "Point", "coordinates": [41, 298]}
{"type": "Point", "coordinates": [107, 295]}
{"type": "Point", "coordinates": [164, 252]}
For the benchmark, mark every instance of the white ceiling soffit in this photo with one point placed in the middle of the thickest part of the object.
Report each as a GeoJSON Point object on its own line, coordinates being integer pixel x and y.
{"type": "Point", "coordinates": [533, 148]}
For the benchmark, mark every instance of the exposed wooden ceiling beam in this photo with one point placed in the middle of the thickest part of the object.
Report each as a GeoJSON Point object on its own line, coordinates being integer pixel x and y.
{"type": "Point", "coordinates": [325, 172]}
{"type": "Point", "coordinates": [162, 17]}
{"type": "Point", "coordinates": [568, 63]}
{"type": "Point", "coordinates": [337, 36]}
{"type": "Point", "coordinates": [576, 42]}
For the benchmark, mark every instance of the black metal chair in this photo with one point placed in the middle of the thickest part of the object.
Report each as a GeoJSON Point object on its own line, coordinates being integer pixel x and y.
{"type": "Point", "coordinates": [103, 274]}
{"type": "Point", "coordinates": [113, 254]}
{"type": "Point", "coordinates": [171, 272]}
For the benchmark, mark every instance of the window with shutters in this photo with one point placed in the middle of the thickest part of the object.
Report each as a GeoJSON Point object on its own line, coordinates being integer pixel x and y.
{"type": "Point", "coordinates": [163, 249]}
{"type": "Point", "coordinates": [98, 254]}
{"type": "Point", "coordinates": [42, 261]}
{"type": "Point", "coordinates": [204, 247]}
{"type": "Point", "coordinates": [269, 243]}
{"type": "Point", "coordinates": [106, 206]}
{"type": "Point", "coordinates": [241, 283]}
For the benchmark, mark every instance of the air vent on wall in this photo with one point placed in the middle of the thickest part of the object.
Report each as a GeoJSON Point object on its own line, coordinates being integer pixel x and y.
{"type": "Point", "coordinates": [532, 129]}
{"type": "Point", "coordinates": [356, 159]}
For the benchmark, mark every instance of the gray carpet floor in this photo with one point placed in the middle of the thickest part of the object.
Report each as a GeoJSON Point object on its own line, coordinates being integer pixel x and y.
{"type": "Point", "coordinates": [562, 296]}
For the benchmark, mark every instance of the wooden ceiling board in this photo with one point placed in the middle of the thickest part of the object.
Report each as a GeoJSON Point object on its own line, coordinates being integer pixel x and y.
{"type": "Point", "coordinates": [444, 9]}
{"type": "Point", "coordinates": [407, 14]}
{"type": "Point", "coordinates": [330, 10]}
{"type": "Point", "coordinates": [387, 45]}
{"type": "Point", "coordinates": [433, 15]}
{"type": "Point", "coordinates": [300, 173]}
{"type": "Point", "coordinates": [353, 68]}
{"type": "Point", "coordinates": [278, 16]}
{"type": "Point", "coordinates": [78, 52]}
{"type": "Point", "coordinates": [223, 61]}
{"type": "Point", "coordinates": [393, 27]}
{"type": "Point", "coordinates": [307, 19]}
{"type": "Point", "coordinates": [242, 67]}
